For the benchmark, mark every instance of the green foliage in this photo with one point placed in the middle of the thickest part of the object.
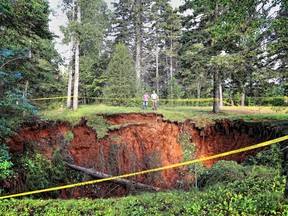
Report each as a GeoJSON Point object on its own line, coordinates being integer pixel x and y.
{"type": "Point", "coordinates": [5, 163]}
{"type": "Point", "coordinates": [250, 196]}
{"type": "Point", "coordinates": [222, 171]}
{"type": "Point", "coordinates": [193, 170]}
{"type": "Point", "coordinates": [42, 173]}
{"type": "Point", "coordinates": [272, 156]}
{"type": "Point", "coordinates": [230, 171]}
{"type": "Point", "coordinates": [68, 136]}
{"type": "Point", "coordinates": [25, 32]}
{"type": "Point", "coordinates": [12, 103]}
{"type": "Point", "coordinates": [176, 89]}
{"type": "Point", "coordinates": [99, 124]}
{"type": "Point", "coordinates": [121, 77]}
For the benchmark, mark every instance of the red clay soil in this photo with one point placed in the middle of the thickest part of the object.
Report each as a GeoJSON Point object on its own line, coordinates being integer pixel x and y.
{"type": "Point", "coordinates": [142, 141]}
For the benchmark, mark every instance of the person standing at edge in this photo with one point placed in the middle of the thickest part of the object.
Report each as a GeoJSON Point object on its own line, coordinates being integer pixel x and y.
{"type": "Point", "coordinates": [145, 98]}
{"type": "Point", "coordinates": [154, 98]}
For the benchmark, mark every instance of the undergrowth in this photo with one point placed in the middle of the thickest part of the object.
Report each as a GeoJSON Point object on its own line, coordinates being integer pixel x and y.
{"type": "Point", "coordinates": [251, 196]}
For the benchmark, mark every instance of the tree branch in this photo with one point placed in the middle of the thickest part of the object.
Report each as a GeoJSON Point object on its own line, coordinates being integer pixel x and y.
{"type": "Point", "coordinates": [9, 61]}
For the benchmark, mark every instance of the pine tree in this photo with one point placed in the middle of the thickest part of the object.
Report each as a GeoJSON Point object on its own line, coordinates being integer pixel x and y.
{"type": "Point", "coordinates": [156, 43]}
{"type": "Point", "coordinates": [221, 27]}
{"type": "Point", "coordinates": [121, 77]}
{"type": "Point", "coordinates": [130, 20]}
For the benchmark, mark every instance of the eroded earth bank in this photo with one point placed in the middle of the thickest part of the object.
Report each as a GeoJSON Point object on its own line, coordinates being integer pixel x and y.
{"type": "Point", "coordinates": [136, 142]}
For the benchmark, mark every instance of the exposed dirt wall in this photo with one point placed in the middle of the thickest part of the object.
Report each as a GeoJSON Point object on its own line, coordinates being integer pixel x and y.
{"type": "Point", "coordinates": [141, 141]}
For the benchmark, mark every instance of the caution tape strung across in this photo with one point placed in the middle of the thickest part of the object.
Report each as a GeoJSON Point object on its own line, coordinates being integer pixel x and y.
{"type": "Point", "coordinates": [171, 99]}
{"type": "Point", "coordinates": [263, 144]}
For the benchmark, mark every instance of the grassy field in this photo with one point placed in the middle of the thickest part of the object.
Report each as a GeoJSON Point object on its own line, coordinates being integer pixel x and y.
{"type": "Point", "coordinates": [179, 113]}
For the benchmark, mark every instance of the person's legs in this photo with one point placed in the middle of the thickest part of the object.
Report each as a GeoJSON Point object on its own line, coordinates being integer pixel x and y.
{"type": "Point", "coordinates": [154, 103]}
{"type": "Point", "coordinates": [145, 105]}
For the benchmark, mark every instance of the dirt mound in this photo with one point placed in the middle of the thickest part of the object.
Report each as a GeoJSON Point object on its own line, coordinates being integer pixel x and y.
{"type": "Point", "coordinates": [140, 141]}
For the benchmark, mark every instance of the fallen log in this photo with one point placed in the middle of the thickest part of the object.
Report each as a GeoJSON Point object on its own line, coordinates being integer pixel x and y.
{"type": "Point", "coordinates": [121, 181]}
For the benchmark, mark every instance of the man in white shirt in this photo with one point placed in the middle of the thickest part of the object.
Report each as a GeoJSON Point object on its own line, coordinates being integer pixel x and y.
{"type": "Point", "coordinates": [154, 98]}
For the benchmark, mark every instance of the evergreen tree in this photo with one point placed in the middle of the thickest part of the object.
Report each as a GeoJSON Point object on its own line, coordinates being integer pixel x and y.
{"type": "Point", "coordinates": [24, 26]}
{"type": "Point", "coordinates": [121, 77]}
{"type": "Point", "coordinates": [222, 28]}
{"type": "Point", "coordinates": [130, 22]}
{"type": "Point", "coordinates": [28, 60]}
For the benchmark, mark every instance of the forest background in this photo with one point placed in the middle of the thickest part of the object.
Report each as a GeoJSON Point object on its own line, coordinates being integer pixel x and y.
{"type": "Point", "coordinates": [229, 51]}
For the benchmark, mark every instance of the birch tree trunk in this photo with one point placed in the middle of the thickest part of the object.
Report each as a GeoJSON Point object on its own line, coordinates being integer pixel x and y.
{"type": "Point", "coordinates": [216, 108]}
{"type": "Point", "coordinates": [138, 42]}
{"type": "Point", "coordinates": [171, 69]}
{"type": "Point", "coordinates": [157, 69]}
{"type": "Point", "coordinates": [70, 68]}
{"type": "Point", "coordinates": [76, 78]}
{"type": "Point", "coordinates": [220, 95]}
{"type": "Point", "coordinates": [242, 103]}
{"type": "Point", "coordinates": [70, 77]}
{"type": "Point", "coordinates": [198, 92]}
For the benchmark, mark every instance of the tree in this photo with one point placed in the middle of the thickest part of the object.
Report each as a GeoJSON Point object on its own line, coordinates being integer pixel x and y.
{"type": "Point", "coordinates": [87, 33]}
{"type": "Point", "coordinates": [130, 22]}
{"type": "Point", "coordinates": [28, 61]}
{"type": "Point", "coordinates": [157, 35]}
{"type": "Point", "coordinates": [172, 28]}
{"type": "Point", "coordinates": [24, 26]}
{"type": "Point", "coordinates": [5, 164]}
{"type": "Point", "coordinates": [224, 28]}
{"type": "Point", "coordinates": [77, 62]}
{"type": "Point", "coordinates": [121, 77]}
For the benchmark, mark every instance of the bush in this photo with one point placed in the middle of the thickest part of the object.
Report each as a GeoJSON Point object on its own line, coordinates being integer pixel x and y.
{"type": "Point", "coordinates": [5, 163]}
{"type": "Point", "coordinates": [221, 172]}
{"type": "Point", "coordinates": [271, 157]}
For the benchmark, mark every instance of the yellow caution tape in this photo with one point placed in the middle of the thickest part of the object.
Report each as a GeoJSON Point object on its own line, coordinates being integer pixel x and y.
{"type": "Point", "coordinates": [151, 170]}
{"type": "Point", "coordinates": [51, 98]}
{"type": "Point", "coordinates": [172, 99]}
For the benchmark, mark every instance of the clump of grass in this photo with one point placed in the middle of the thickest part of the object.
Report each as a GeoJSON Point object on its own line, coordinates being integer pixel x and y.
{"type": "Point", "coordinates": [99, 124]}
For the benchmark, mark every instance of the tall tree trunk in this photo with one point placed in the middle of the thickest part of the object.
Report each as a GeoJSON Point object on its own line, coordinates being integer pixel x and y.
{"type": "Point", "coordinates": [171, 69]}
{"type": "Point", "coordinates": [216, 81]}
{"type": "Point", "coordinates": [138, 41]}
{"type": "Point", "coordinates": [70, 68]}
{"type": "Point", "coordinates": [242, 102]}
{"type": "Point", "coordinates": [220, 95]}
{"type": "Point", "coordinates": [77, 61]}
{"type": "Point", "coordinates": [198, 92]}
{"type": "Point", "coordinates": [157, 69]}
{"type": "Point", "coordinates": [242, 99]}
{"type": "Point", "coordinates": [70, 75]}
{"type": "Point", "coordinates": [25, 95]}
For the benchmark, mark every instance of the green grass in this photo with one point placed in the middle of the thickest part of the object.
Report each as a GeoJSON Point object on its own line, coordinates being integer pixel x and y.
{"type": "Point", "coordinates": [172, 113]}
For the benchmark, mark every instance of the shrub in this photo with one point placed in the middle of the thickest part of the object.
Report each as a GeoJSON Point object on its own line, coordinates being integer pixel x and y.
{"type": "Point", "coordinates": [221, 172]}
{"type": "Point", "coordinates": [5, 163]}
